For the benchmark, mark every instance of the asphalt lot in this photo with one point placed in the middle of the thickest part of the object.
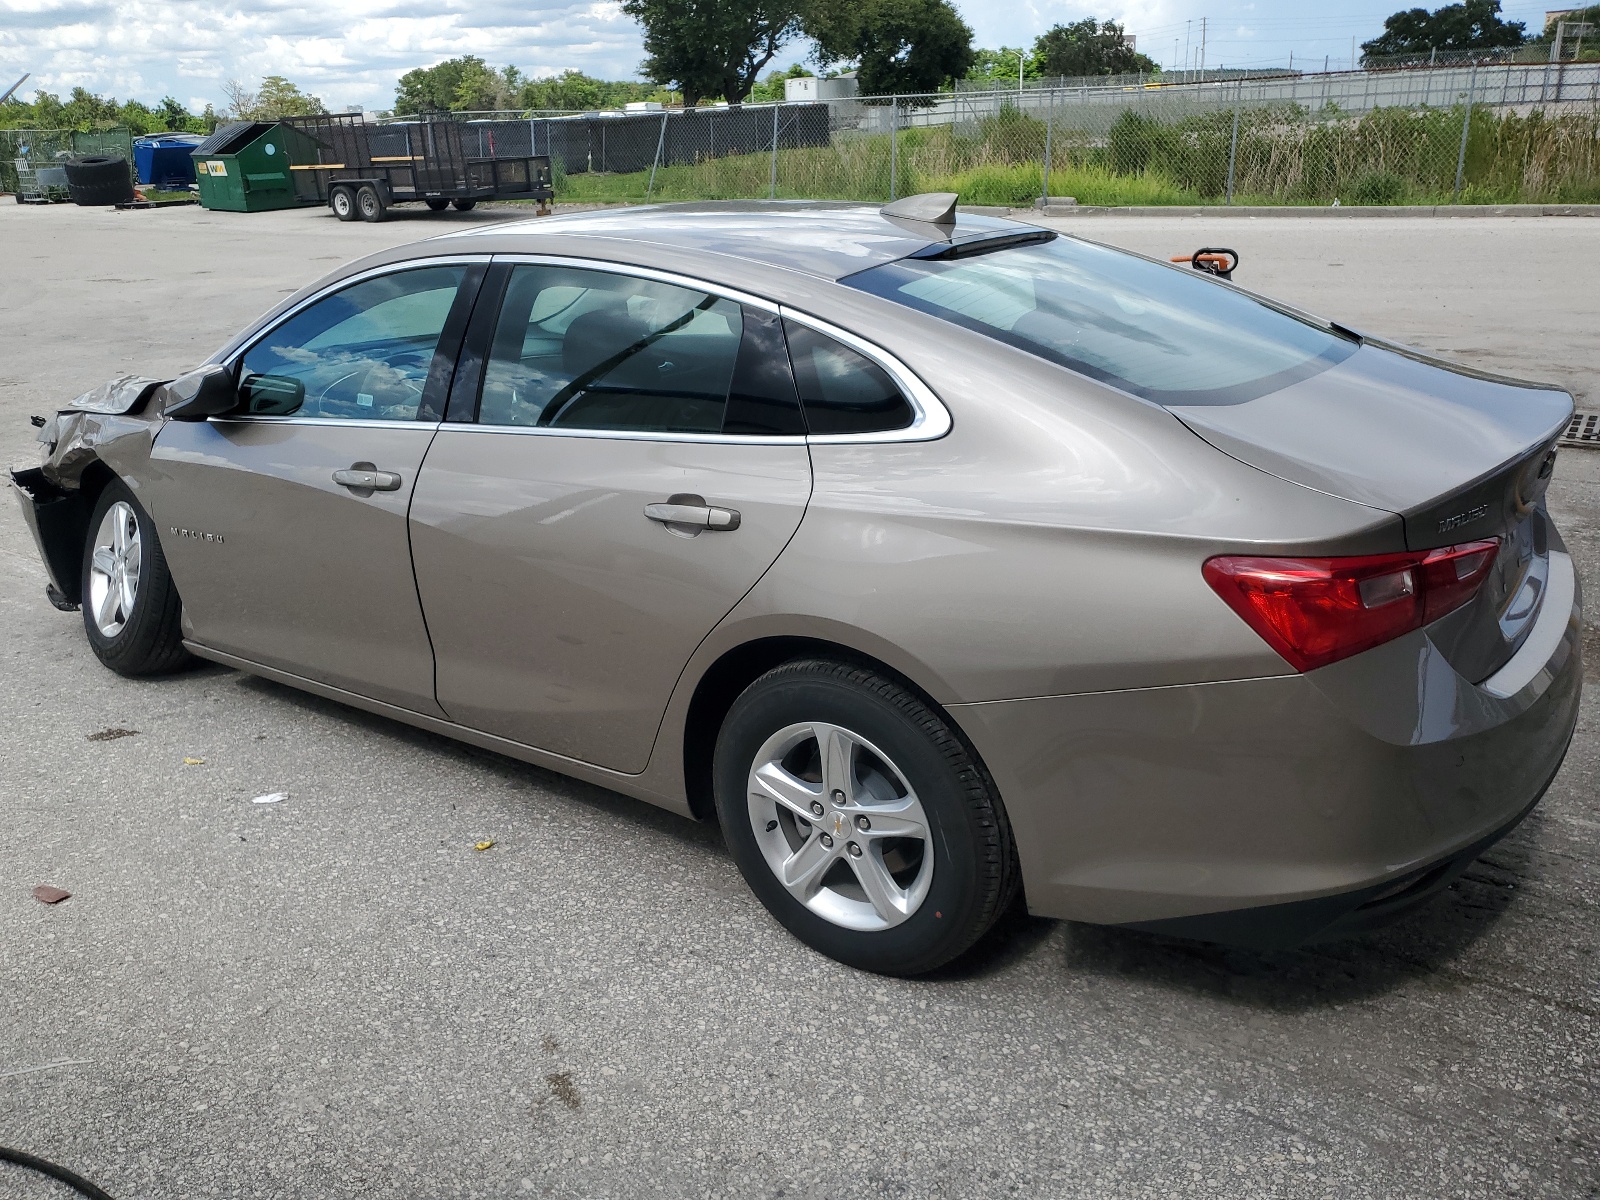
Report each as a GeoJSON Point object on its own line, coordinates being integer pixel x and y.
{"type": "Point", "coordinates": [336, 996]}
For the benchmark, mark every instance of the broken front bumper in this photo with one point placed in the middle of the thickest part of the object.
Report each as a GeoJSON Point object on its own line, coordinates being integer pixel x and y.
{"type": "Point", "coordinates": [58, 520]}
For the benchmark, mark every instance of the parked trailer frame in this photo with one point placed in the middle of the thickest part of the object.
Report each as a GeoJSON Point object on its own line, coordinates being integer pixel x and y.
{"type": "Point", "coordinates": [362, 169]}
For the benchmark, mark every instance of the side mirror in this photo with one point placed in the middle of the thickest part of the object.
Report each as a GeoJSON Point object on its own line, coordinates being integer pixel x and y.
{"type": "Point", "coordinates": [205, 392]}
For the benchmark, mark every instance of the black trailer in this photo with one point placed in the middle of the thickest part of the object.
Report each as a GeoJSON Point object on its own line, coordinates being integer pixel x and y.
{"type": "Point", "coordinates": [361, 168]}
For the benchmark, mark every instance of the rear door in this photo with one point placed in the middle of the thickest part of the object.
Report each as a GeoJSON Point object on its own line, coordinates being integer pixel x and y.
{"type": "Point", "coordinates": [622, 467]}
{"type": "Point", "coordinates": [285, 525]}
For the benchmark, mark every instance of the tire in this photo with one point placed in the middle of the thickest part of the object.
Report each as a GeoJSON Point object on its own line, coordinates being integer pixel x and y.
{"type": "Point", "coordinates": [99, 179]}
{"type": "Point", "coordinates": [343, 202]}
{"type": "Point", "coordinates": [369, 204]}
{"type": "Point", "coordinates": [437, 205]}
{"type": "Point", "coordinates": [464, 205]}
{"type": "Point", "coordinates": [145, 638]}
{"type": "Point", "coordinates": [910, 772]}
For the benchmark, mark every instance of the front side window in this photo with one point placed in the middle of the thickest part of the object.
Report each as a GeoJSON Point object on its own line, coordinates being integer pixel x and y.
{"type": "Point", "coordinates": [364, 352]}
{"type": "Point", "coordinates": [581, 349]}
{"type": "Point", "coordinates": [1165, 335]}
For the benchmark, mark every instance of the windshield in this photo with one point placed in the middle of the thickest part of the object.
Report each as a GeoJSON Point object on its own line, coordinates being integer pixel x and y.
{"type": "Point", "coordinates": [1167, 335]}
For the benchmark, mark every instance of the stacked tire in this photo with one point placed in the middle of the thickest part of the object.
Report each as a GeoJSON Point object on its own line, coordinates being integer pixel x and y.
{"type": "Point", "coordinates": [95, 180]}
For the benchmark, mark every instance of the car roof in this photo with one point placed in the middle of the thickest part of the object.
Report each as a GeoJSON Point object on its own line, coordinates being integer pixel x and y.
{"type": "Point", "coordinates": [826, 240]}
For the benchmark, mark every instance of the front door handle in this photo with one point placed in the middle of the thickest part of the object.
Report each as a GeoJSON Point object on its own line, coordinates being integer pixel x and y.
{"type": "Point", "coordinates": [364, 477]}
{"type": "Point", "coordinates": [687, 512]}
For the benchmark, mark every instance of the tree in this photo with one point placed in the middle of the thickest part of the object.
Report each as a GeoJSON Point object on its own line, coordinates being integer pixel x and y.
{"type": "Point", "coordinates": [276, 98]}
{"type": "Point", "coordinates": [712, 47]}
{"type": "Point", "coordinates": [483, 89]}
{"type": "Point", "coordinates": [173, 114]}
{"type": "Point", "coordinates": [999, 67]}
{"type": "Point", "coordinates": [899, 47]}
{"type": "Point", "coordinates": [571, 90]}
{"type": "Point", "coordinates": [1473, 25]}
{"type": "Point", "coordinates": [1088, 47]}
{"type": "Point", "coordinates": [433, 89]}
{"type": "Point", "coordinates": [280, 98]}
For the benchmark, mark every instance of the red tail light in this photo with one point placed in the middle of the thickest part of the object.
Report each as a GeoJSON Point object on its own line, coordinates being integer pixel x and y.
{"type": "Point", "coordinates": [1315, 611]}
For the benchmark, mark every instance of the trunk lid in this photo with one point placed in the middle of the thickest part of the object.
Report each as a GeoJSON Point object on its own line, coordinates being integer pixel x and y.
{"type": "Point", "coordinates": [1457, 454]}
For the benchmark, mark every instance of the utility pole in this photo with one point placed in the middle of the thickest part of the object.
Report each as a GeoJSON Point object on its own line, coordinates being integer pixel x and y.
{"type": "Point", "coordinates": [1188, 28]}
{"type": "Point", "coordinates": [1203, 21]}
{"type": "Point", "coordinates": [1352, 52]}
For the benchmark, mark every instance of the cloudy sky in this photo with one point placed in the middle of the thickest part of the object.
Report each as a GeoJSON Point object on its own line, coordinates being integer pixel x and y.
{"type": "Point", "coordinates": [351, 52]}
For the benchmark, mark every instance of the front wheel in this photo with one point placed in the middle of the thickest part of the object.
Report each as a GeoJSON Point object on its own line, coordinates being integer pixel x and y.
{"type": "Point", "coordinates": [131, 609]}
{"type": "Point", "coordinates": [437, 205]}
{"type": "Point", "coordinates": [343, 203]}
{"type": "Point", "coordinates": [860, 819]}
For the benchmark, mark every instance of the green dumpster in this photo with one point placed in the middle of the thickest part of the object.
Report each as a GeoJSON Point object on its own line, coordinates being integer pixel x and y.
{"type": "Point", "coordinates": [249, 167]}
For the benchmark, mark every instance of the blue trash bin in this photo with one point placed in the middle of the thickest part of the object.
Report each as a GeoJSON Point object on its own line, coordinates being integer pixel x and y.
{"type": "Point", "coordinates": [163, 160]}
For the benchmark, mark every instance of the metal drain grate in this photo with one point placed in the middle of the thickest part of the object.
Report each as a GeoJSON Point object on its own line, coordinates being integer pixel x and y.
{"type": "Point", "coordinates": [1583, 431]}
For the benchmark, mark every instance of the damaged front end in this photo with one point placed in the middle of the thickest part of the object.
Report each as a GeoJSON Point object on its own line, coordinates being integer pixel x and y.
{"type": "Point", "coordinates": [101, 434]}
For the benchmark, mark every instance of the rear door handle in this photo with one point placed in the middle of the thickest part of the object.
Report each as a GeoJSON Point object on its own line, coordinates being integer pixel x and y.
{"type": "Point", "coordinates": [687, 512]}
{"type": "Point", "coordinates": [365, 479]}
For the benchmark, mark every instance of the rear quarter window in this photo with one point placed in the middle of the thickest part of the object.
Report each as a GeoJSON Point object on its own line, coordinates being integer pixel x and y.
{"type": "Point", "coordinates": [841, 390]}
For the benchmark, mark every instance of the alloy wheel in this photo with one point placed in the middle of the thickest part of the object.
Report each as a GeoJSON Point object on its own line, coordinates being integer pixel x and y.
{"type": "Point", "coordinates": [840, 826]}
{"type": "Point", "coordinates": [114, 569]}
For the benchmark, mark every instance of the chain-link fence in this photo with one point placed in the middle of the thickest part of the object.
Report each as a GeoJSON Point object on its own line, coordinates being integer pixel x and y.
{"type": "Point", "coordinates": [23, 152]}
{"type": "Point", "coordinates": [1507, 133]}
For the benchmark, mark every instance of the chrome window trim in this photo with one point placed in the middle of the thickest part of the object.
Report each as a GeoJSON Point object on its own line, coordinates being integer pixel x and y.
{"type": "Point", "coordinates": [324, 422]}
{"type": "Point", "coordinates": [931, 419]}
{"type": "Point", "coordinates": [627, 435]}
{"type": "Point", "coordinates": [616, 268]}
{"type": "Point", "coordinates": [245, 342]}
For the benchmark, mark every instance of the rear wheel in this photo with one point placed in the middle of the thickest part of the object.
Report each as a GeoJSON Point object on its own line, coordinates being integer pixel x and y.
{"type": "Point", "coordinates": [438, 205]}
{"type": "Point", "coordinates": [464, 205]}
{"type": "Point", "coordinates": [860, 819]}
{"type": "Point", "coordinates": [343, 203]}
{"type": "Point", "coordinates": [131, 609]}
{"type": "Point", "coordinates": [369, 203]}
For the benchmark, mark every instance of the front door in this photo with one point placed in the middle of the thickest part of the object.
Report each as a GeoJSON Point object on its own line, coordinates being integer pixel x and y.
{"type": "Point", "coordinates": [285, 525]}
{"type": "Point", "coordinates": [636, 463]}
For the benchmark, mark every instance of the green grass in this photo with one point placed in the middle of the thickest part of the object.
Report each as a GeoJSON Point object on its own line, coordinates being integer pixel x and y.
{"type": "Point", "coordinates": [738, 178]}
{"type": "Point", "coordinates": [1285, 155]}
{"type": "Point", "coordinates": [1019, 185]}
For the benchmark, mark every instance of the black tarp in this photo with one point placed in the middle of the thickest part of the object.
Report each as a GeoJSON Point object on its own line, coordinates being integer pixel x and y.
{"type": "Point", "coordinates": [627, 142]}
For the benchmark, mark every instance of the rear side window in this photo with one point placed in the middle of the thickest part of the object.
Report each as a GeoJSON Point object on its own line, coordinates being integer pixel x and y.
{"type": "Point", "coordinates": [1165, 335]}
{"type": "Point", "coordinates": [580, 349]}
{"type": "Point", "coordinates": [843, 391]}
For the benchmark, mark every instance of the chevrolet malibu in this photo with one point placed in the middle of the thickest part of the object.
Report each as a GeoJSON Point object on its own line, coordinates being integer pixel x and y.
{"type": "Point", "coordinates": [938, 558]}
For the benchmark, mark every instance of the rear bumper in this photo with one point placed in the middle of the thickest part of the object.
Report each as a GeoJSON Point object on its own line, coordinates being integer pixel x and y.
{"type": "Point", "coordinates": [58, 520]}
{"type": "Point", "coordinates": [1269, 812]}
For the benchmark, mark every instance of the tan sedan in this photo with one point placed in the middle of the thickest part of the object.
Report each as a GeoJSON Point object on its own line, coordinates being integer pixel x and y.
{"type": "Point", "coordinates": [938, 558]}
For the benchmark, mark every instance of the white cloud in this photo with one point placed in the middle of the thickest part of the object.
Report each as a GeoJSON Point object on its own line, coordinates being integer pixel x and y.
{"type": "Point", "coordinates": [351, 53]}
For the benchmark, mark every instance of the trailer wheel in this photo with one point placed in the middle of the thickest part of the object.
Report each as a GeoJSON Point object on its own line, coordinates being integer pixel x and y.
{"type": "Point", "coordinates": [343, 203]}
{"type": "Point", "coordinates": [370, 203]}
{"type": "Point", "coordinates": [464, 205]}
{"type": "Point", "coordinates": [438, 205]}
